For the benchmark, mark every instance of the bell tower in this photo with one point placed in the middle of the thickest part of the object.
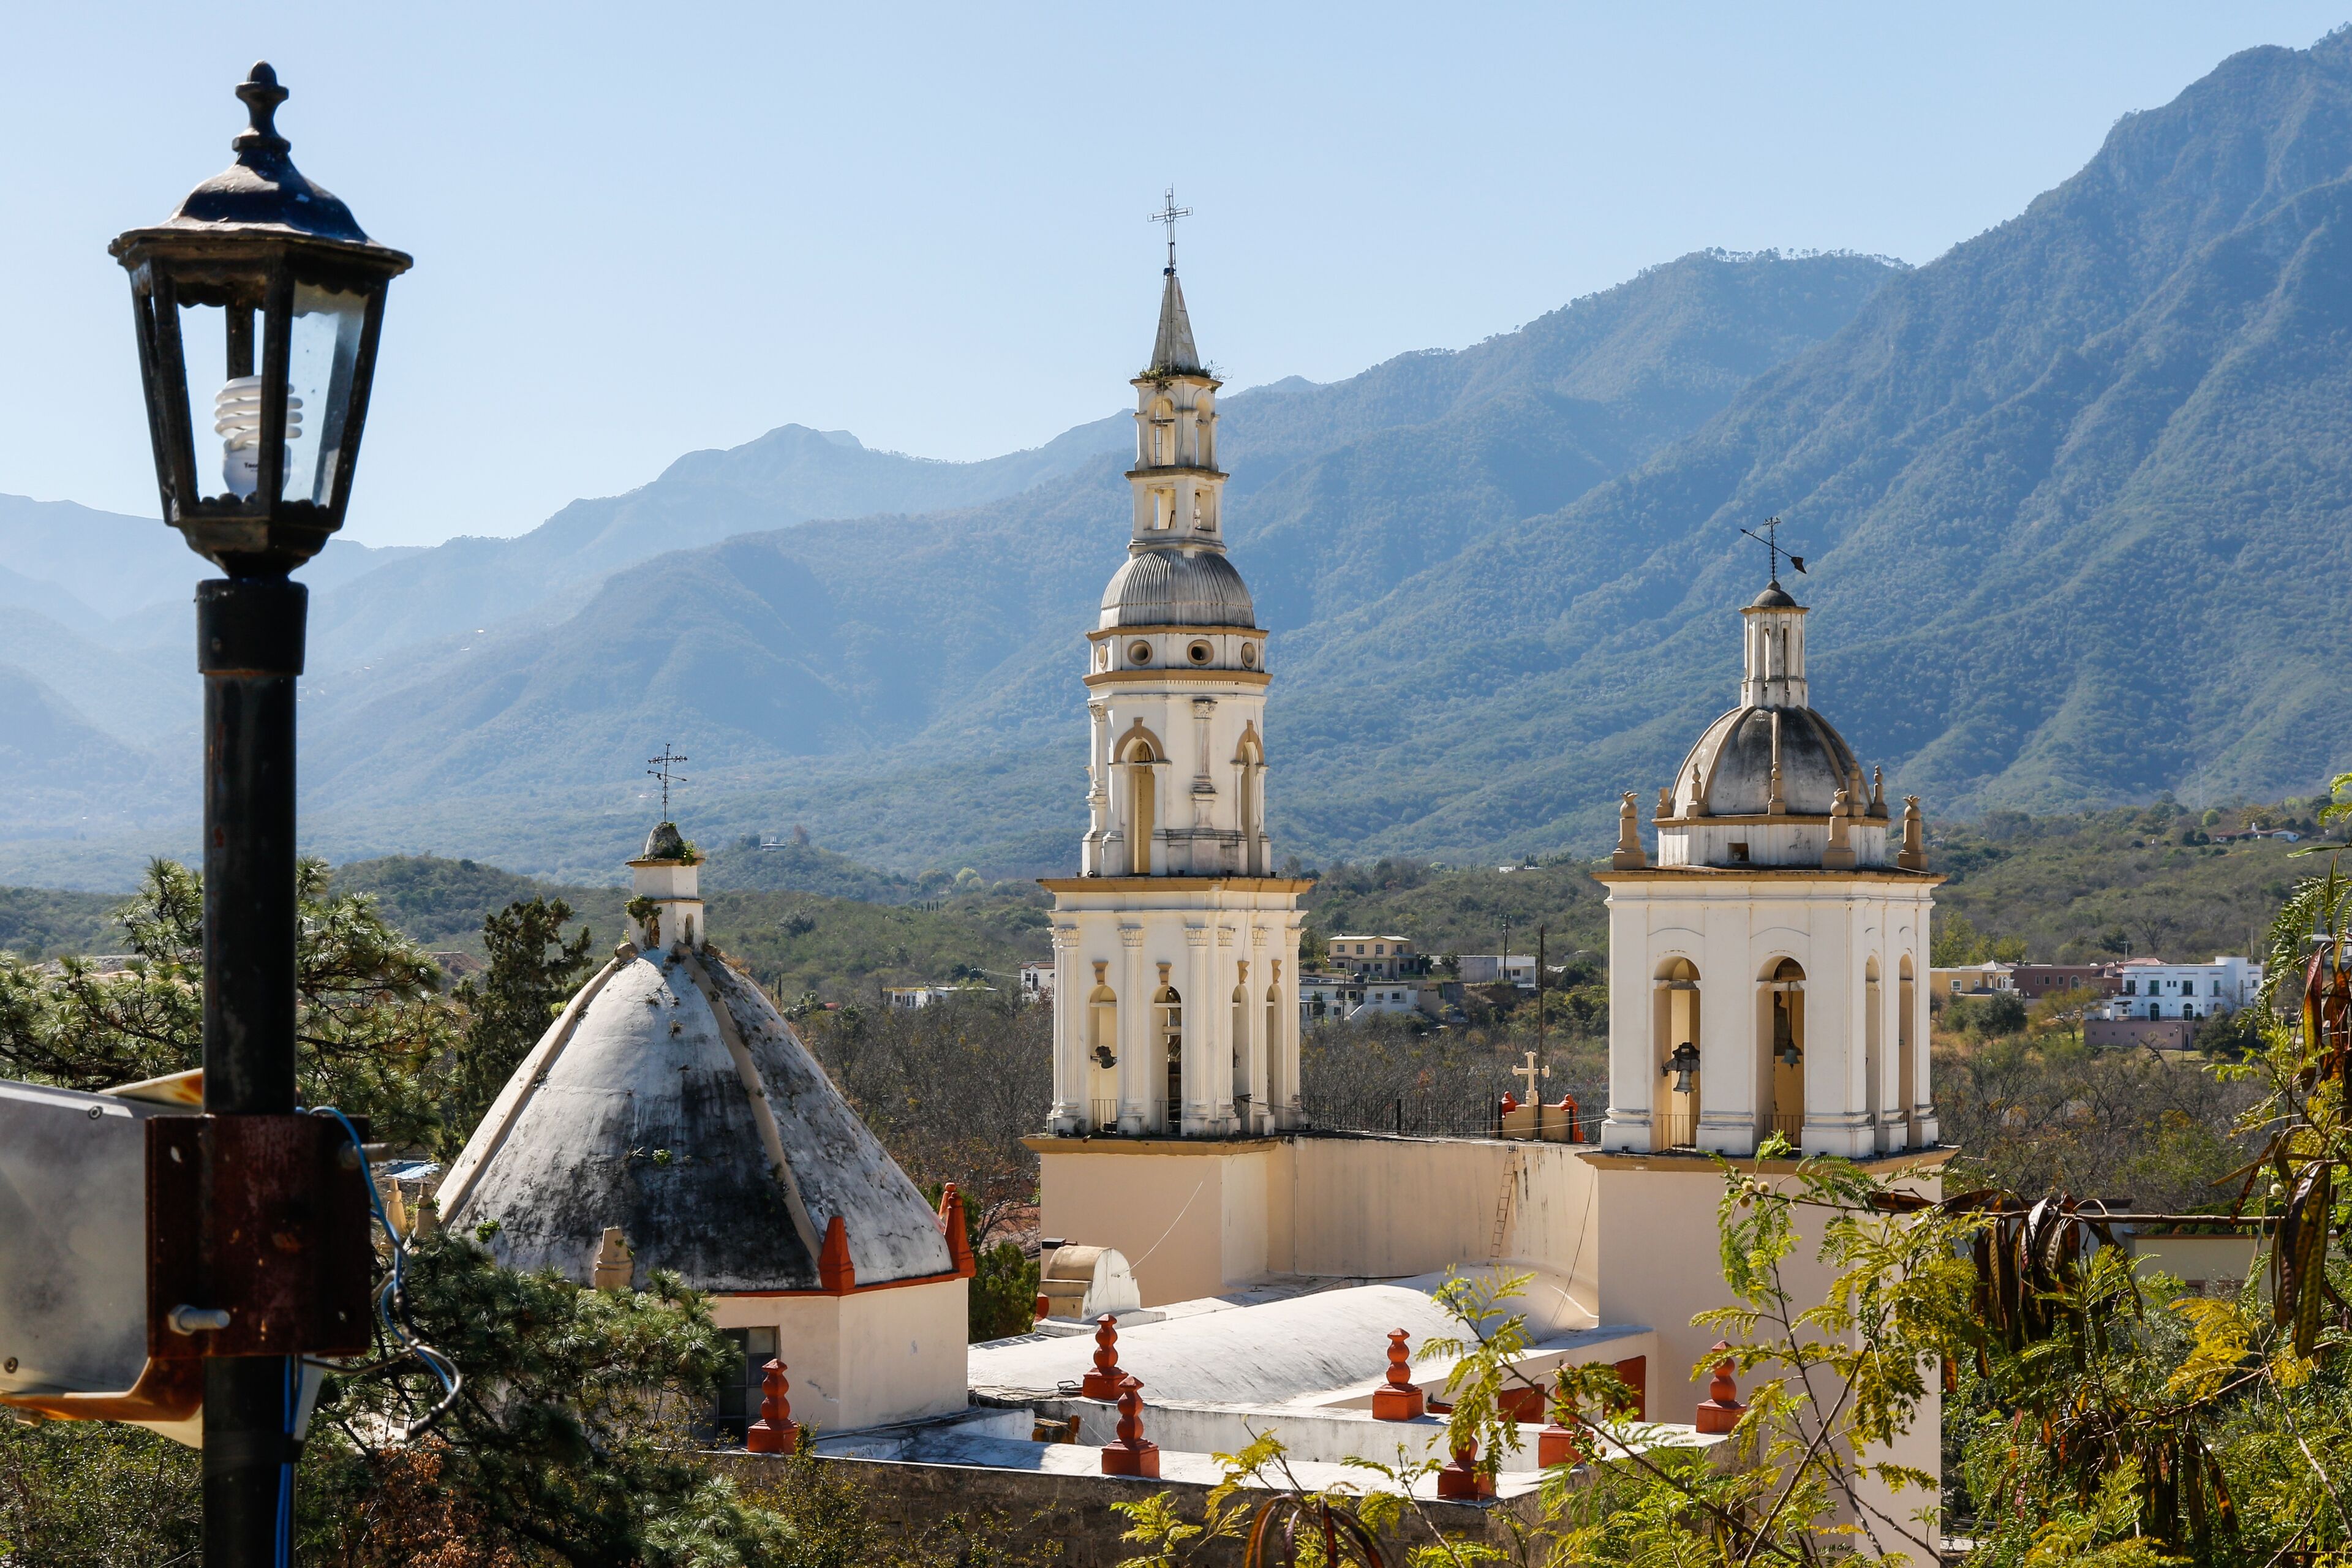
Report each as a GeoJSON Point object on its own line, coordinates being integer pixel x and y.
{"type": "Point", "coordinates": [1176, 947]}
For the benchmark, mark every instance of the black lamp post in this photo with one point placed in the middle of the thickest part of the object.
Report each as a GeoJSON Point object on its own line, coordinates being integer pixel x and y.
{"type": "Point", "coordinates": [263, 286]}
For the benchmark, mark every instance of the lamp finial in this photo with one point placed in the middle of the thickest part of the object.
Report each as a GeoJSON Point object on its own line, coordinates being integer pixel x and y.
{"type": "Point", "coordinates": [262, 96]}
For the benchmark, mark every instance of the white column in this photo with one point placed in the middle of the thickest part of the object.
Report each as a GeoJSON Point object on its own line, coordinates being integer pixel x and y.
{"type": "Point", "coordinates": [1222, 1085]}
{"type": "Point", "coordinates": [1201, 1034]}
{"type": "Point", "coordinates": [1070, 1013]}
{"type": "Point", "coordinates": [1923, 1112]}
{"type": "Point", "coordinates": [1134, 1029]}
{"type": "Point", "coordinates": [1288, 1111]}
{"type": "Point", "coordinates": [1090, 858]}
{"type": "Point", "coordinates": [1632, 1027]}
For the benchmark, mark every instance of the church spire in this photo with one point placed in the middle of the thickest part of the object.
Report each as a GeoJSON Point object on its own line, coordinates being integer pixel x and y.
{"type": "Point", "coordinates": [1172, 352]}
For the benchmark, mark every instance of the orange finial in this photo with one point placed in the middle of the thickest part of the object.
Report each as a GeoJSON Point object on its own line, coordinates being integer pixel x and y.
{"type": "Point", "coordinates": [1562, 1441]}
{"type": "Point", "coordinates": [1130, 1455]}
{"type": "Point", "coordinates": [1103, 1381]}
{"type": "Point", "coordinates": [1721, 1410]}
{"type": "Point", "coordinates": [1398, 1399]}
{"type": "Point", "coordinates": [773, 1432]}
{"type": "Point", "coordinates": [834, 1272]}
{"type": "Point", "coordinates": [1462, 1481]}
{"type": "Point", "coordinates": [951, 1225]}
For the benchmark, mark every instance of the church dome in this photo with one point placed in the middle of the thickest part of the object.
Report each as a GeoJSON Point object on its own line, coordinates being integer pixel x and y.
{"type": "Point", "coordinates": [671, 1101]}
{"type": "Point", "coordinates": [1196, 587]}
{"type": "Point", "coordinates": [1732, 764]}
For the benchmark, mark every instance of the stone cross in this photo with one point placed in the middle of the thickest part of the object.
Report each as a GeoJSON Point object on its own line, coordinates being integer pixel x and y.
{"type": "Point", "coordinates": [1532, 1072]}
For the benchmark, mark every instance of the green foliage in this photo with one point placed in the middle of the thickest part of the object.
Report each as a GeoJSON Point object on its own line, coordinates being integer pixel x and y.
{"type": "Point", "coordinates": [40, 923]}
{"type": "Point", "coordinates": [369, 1016]}
{"type": "Point", "coordinates": [1003, 1292]}
{"type": "Point", "coordinates": [575, 1445]}
{"type": "Point", "coordinates": [825, 1524]}
{"type": "Point", "coordinates": [533, 969]}
{"type": "Point", "coordinates": [86, 1494]}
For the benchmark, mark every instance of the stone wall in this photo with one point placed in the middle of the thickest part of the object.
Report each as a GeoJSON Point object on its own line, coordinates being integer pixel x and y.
{"type": "Point", "coordinates": [1027, 1509]}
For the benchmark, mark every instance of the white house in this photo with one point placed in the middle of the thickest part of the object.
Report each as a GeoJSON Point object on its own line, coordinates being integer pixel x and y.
{"type": "Point", "coordinates": [2153, 989]}
{"type": "Point", "coordinates": [1491, 968]}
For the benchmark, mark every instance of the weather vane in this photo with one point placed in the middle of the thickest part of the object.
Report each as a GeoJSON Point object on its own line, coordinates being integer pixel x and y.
{"type": "Point", "coordinates": [661, 768]}
{"type": "Point", "coordinates": [1167, 214]}
{"type": "Point", "coordinates": [1771, 540]}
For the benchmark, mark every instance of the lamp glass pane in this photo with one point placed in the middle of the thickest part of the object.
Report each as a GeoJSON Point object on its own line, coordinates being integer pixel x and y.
{"type": "Point", "coordinates": [204, 345]}
{"type": "Point", "coordinates": [325, 347]}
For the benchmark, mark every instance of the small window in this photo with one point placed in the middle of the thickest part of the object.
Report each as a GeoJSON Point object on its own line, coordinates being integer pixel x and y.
{"type": "Point", "coordinates": [1738, 854]}
{"type": "Point", "coordinates": [1138, 653]}
{"type": "Point", "coordinates": [1200, 653]}
{"type": "Point", "coordinates": [739, 1384]}
{"type": "Point", "coordinates": [1249, 655]}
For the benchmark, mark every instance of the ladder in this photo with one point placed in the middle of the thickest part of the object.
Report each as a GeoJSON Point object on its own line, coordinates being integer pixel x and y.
{"type": "Point", "coordinates": [1503, 1203]}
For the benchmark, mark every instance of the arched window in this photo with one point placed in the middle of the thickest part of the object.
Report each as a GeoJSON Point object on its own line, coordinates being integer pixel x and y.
{"type": "Point", "coordinates": [1137, 752]}
{"type": "Point", "coordinates": [1250, 756]}
{"type": "Point", "coordinates": [1168, 1019]}
{"type": "Point", "coordinates": [1242, 1087]}
{"type": "Point", "coordinates": [1102, 1054]}
{"type": "Point", "coordinates": [1906, 1070]}
{"type": "Point", "coordinates": [1675, 1030]}
{"type": "Point", "coordinates": [1783, 1045]}
{"type": "Point", "coordinates": [1873, 1072]}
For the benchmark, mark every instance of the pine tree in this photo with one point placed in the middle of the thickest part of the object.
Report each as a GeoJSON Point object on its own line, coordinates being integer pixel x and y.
{"type": "Point", "coordinates": [532, 972]}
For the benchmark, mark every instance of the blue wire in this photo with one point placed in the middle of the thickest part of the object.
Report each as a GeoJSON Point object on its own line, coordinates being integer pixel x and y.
{"type": "Point", "coordinates": [285, 1532]}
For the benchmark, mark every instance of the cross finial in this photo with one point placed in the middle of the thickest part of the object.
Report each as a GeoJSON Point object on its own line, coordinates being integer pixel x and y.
{"type": "Point", "coordinates": [664, 768]}
{"type": "Point", "coordinates": [1167, 214]}
{"type": "Point", "coordinates": [1771, 540]}
{"type": "Point", "coordinates": [1531, 1072]}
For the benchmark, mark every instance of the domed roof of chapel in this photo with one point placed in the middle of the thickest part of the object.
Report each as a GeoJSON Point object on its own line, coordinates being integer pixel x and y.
{"type": "Point", "coordinates": [671, 1100]}
{"type": "Point", "coordinates": [1177, 587]}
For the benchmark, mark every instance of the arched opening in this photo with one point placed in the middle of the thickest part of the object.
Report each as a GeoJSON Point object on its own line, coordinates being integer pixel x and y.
{"type": "Point", "coordinates": [1163, 432]}
{"type": "Point", "coordinates": [1874, 1070]}
{"type": "Point", "coordinates": [1240, 1079]}
{"type": "Point", "coordinates": [1275, 1088]}
{"type": "Point", "coordinates": [1674, 1012]}
{"type": "Point", "coordinates": [1102, 1054]}
{"type": "Point", "coordinates": [1784, 1051]}
{"type": "Point", "coordinates": [1906, 1067]}
{"type": "Point", "coordinates": [1138, 753]}
{"type": "Point", "coordinates": [1252, 760]}
{"type": "Point", "coordinates": [1168, 1012]}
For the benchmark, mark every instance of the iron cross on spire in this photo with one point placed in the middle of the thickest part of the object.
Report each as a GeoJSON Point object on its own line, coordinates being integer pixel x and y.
{"type": "Point", "coordinates": [663, 768]}
{"type": "Point", "coordinates": [1167, 214]}
{"type": "Point", "coordinates": [1771, 540]}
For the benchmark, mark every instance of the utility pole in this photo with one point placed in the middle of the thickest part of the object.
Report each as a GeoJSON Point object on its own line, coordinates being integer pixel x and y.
{"type": "Point", "coordinates": [1542, 931]}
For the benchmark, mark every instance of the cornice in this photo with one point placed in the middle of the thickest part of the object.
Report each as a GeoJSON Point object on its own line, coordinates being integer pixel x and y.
{"type": "Point", "coordinates": [1175, 884]}
{"type": "Point", "coordinates": [1101, 634]}
{"type": "Point", "coordinates": [1176, 470]}
{"type": "Point", "coordinates": [1894, 874]}
{"type": "Point", "coordinates": [1178, 675]}
{"type": "Point", "coordinates": [1112, 1143]}
{"type": "Point", "coordinates": [1700, 1162]}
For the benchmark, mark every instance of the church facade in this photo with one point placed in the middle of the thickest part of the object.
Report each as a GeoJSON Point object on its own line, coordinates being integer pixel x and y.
{"type": "Point", "coordinates": [1176, 948]}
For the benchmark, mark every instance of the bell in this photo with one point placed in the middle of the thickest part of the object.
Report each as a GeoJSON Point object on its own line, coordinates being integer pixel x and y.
{"type": "Point", "coordinates": [1681, 1065]}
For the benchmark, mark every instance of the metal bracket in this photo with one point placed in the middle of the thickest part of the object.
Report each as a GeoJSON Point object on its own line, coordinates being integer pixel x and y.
{"type": "Point", "coordinates": [263, 1219]}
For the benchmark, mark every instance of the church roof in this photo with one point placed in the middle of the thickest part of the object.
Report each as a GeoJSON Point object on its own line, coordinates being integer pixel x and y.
{"type": "Point", "coordinates": [672, 1101]}
{"type": "Point", "coordinates": [1773, 598]}
{"type": "Point", "coordinates": [1172, 352]}
{"type": "Point", "coordinates": [1193, 586]}
{"type": "Point", "coordinates": [1733, 760]}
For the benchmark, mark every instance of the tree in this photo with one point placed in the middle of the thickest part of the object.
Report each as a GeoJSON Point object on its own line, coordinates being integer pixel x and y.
{"type": "Point", "coordinates": [369, 1016]}
{"type": "Point", "coordinates": [2065, 1011]}
{"type": "Point", "coordinates": [531, 973]}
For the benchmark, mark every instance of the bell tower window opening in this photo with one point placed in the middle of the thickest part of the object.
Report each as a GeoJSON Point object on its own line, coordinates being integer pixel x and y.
{"type": "Point", "coordinates": [1784, 1050]}
{"type": "Point", "coordinates": [1168, 1014]}
{"type": "Point", "coordinates": [1873, 1048]}
{"type": "Point", "coordinates": [1137, 757]}
{"type": "Point", "coordinates": [1676, 1034]}
{"type": "Point", "coordinates": [1906, 1066]}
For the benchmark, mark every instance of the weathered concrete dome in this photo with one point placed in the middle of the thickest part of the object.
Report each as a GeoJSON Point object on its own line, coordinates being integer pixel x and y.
{"type": "Point", "coordinates": [1732, 764]}
{"type": "Point", "coordinates": [1189, 587]}
{"type": "Point", "coordinates": [671, 1101]}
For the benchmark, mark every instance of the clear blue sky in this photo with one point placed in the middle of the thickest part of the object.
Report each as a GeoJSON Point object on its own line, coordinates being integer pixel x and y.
{"type": "Point", "coordinates": [647, 229]}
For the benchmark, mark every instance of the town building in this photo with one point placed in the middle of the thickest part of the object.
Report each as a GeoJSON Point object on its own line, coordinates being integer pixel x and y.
{"type": "Point", "coordinates": [2035, 981]}
{"type": "Point", "coordinates": [906, 998]}
{"type": "Point", "coordinates": [1497, 969]}
{"type": "Point", "coordinates": [1328, 996]}
{"type": "Point", "coordinates": [669, 1119]}
{"type": "Point", "coordinates": [2150, 988]}
{"type": "Point", "coordinates": [1984, 979]}
{"type": "Point", "coordinates": [1384, 956]}
{"type": "Point", "coordinates": [1037, 982]}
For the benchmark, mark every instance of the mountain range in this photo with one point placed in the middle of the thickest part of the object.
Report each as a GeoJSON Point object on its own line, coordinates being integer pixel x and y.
{"type": "Point", "coordinates": [2071, 496]}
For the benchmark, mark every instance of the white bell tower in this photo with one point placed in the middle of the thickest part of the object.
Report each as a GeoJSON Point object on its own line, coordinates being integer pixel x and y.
{"type": "Point", "coordinates": [1176, 949]}
{"type": "Point", "coordinates": [1769, 973]}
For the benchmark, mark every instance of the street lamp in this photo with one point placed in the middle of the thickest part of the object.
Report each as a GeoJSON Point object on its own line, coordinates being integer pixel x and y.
{"type": "Point", "coordinates": [258, 303]}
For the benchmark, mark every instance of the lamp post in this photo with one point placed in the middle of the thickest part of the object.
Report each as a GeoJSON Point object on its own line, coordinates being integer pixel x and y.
{"type": "Point", "coordinates": [262, 286]}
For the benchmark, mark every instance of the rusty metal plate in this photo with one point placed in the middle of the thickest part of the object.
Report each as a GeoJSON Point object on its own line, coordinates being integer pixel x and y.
{"type": "Point", "coordinates": [259, 1216]}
